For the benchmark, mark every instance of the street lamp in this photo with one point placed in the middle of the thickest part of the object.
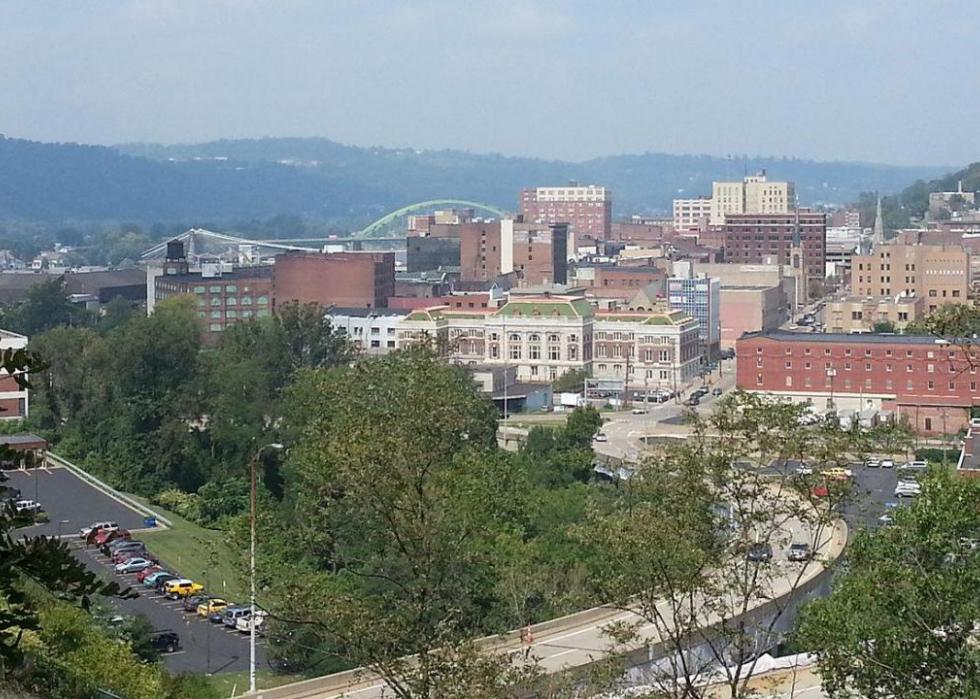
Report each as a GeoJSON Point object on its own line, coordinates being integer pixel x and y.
{"type": "Point", "coordinates": [831, 373]}
{"type": "Point", "coordinates": [251, 566]}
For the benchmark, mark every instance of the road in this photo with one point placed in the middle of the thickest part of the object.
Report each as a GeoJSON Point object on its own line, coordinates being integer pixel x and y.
{"type": "Point", "coordinates": [72, 503]}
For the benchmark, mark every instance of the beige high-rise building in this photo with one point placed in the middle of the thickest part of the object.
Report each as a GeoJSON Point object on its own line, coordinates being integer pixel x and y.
{"type": "Point", "coordinates": [940, 274]}
{"type": "Point", "coordinates": [690, 214]}
{"type": "Point", "coordinates": [753, 195]}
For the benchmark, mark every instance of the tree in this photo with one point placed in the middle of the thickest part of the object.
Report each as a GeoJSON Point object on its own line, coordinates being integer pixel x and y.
{"type": "Point", "coordinates": [898, 622]}
{"type": "Point", "coordinates": [45, 306]}
{"type": "Point", "coordinates": [956, 324]}
{"type": "Point", "coordinates": [571, 381]}
{"type": "Point", "coordinates": [399, 488]}
{"type": "Point", "coordinates": [687, 547]}
{"type": "Point", "coordinates": [883, 326]}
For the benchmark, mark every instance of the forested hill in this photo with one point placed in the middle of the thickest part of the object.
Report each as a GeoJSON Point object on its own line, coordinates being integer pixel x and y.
{"type": "Point", "coordinates": [322, 180]}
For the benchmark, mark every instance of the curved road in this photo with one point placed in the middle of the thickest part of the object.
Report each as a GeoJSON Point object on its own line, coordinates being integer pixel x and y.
{"type": "Point", "coordinates": [579, 639]}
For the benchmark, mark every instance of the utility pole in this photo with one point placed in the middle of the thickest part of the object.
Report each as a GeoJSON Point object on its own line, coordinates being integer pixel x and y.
{"type": "Point", "coordinates": [251, 565]}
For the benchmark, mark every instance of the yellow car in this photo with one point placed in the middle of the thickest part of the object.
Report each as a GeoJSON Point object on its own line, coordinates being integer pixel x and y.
{"type": "Point", "coordinates": [175, 589]}
{"type": "Point", "coordinates": [838, 474]}
{"type": "Point", "coordinates": [212, 606]}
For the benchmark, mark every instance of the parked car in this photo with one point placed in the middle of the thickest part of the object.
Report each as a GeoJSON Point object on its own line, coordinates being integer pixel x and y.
{"type": "Point", "coordinates": [759, 553]}
{"type": "Point", "coordinates": [165, 641]}
{"type": "Point", "coordinates": [693, 400]}
{"type": "Point", "coordinates": [838, 474]}
{"type": "Point", "coordinates": [637, 411]}
{"type": "Point", "coordinates": [111, 548]}
{"type": "Point", "coordinates": [147, 572]}
{"type": "Point", "coordinates": [215, 604]}
{"type": "Point", "coordinates": [244, 624]}
{"type": "Point", "coordinates": [151, 580]}
{"type": "Point", "coordinates": [96, 527]}
{"type": "Point", "coordinates": [601, 437]}
{"type": "Point", "coordinates": [804, 469]}
{"type": "Point", "coordinates": [133, 565]}
{"type": "Point", "coordinates": [872, 463]}
{"type": "Point", "coordinates": [28, 507]}
{"type": "Point", "coordinates": [105, 536]}
{"type": "Point", "coordinates": [887, 463]}
{"type": "Point", "coordinates": [799, 552]}
{"type": "Point", "coordinates": [231, 615]}
{"type": "Point", "coordinates": [182, 587]}
{"type": "Point", "coordinates": [717, 391]}
{"type": "Point", "coordinates": [163, 580]}
{"type": "Point", "coordinates": [192, 602]}
{"type": "Point", "coordinates": [130, 552]}
{"type": "Point", "coordinates": [907, 489]}
{"type": "Point", "coordinates": [917, 465]}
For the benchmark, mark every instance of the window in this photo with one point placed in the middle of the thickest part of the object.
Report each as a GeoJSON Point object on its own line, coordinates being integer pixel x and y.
{"type": "Point", "coordinates": [231, 301]}
{"type": "Point", "coordinates": [216, 327]}
{"type": "Point", "coordinates": [215, 289]}
{"type": "Point", "coordinates": [231, 314]}
{"type": "Point", "coordinates": [246, 300]}
{"type": "Point", "coordinates": [198, 289]}
{"type": "Point", "coordinates": [932, 385]}
{"type": "Point", "coordinates": [806, 365]}
{"type": "Point", "coordinates": [263, 300]}
{"type": "Point", "coordinates": [262, 313]}
{"type": "Point", "coordinates": [216, 314]}
{"type": "Point", "coordinates": [515, 351]}
{"type": "Point", "coordinates": [789, 365]}
{"type": "Point", "coordinates": [928, 424]}
{"type": "Point", "coordinates": [952, 385]}
{"type": "Point", "coordinates": [215, 301]}
{"type": "Point", "coordinates": [231, 288]}
{"type": "Point", "coordinates": [789, 382]}
{"type": "Point", "coordinates": [867, 367]}
{"type": "Point", "coordinates": [534, 351]}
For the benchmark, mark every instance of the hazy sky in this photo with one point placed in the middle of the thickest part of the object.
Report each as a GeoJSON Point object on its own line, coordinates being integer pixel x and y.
{"type": "Point", "coordinates": [891, 81]}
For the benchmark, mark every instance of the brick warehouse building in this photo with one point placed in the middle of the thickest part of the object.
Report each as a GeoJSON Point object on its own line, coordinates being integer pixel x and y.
{"type": "Point", "coordinates": [345, 279]}
{"type": "Point", "coordinates": [768, 238]}
{"type": "Point", "coordinates": [587, 209]}
{"type": "Point", "coordinates": [931, 383]}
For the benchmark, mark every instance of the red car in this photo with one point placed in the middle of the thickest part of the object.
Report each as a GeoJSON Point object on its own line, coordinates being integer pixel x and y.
{"type": "Point", "coordinates": [147, 572]}
{"type": "Point", "coordinates": [105, 536]}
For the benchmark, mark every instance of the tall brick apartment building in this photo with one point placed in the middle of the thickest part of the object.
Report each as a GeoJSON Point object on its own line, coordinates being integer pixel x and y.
{"type": "Point", "coordinates": [586, 209]}
{"type": "Point", "coordinates": [928, 382]}
{"type": "Point", "coordinates": [768, 239]}
{"type": "Point", "coordinates": [345, 279]}
{"type": "Point", "coordinates": [939, 274]}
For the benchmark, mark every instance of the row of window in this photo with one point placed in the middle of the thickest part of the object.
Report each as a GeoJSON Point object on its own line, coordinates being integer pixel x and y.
{"type": "Point", "coordinates": [234, 301]}
{"type": "Point", "coordinates": [909, 368]}
{"type": "Point", "coordinates": [847, 384]}
{"type": "Point", "coordinates": [234, 315]}
{"type": "Point", "coordinates": [929, 354]}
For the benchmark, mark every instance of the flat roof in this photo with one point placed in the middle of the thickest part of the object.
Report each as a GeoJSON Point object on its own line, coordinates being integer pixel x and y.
{"type": "Point", "coordinates": [366, 312]}
{"type": "Point", "coordinates": [521, 390]}
{"type": "Point", "coordinates": [257, 272]}
{"type": "Point", "coordinates": [25, 438]}
{"type": "Point", "coordinates": [847, 338]}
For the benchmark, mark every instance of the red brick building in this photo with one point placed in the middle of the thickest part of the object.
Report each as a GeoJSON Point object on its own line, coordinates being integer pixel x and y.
{"type": "Point", "coordinates": [930, 383]}
{"type": "Point", "coordinates": [767, 239]}
{"type": "Point", "coordinates": [345, 279]}
{"type": "Point", "coordinates": [13, 398]}
{"type": "Point", "coordinates": [586, 209]}
{"type": "Point", "coordinates": [622, 282]}
{"type": "Point", "coordinates": [536, 253]}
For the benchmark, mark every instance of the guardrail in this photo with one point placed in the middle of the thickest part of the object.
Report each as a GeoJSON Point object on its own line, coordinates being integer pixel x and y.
{"type": "Point", "coordinates": [106, 488]}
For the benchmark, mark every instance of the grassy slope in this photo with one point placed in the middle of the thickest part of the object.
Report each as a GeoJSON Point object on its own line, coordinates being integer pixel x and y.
{"type": "Point", "coordinates": [200, 554]}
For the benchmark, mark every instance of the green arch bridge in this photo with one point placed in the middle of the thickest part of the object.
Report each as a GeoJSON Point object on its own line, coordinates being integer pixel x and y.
{"type": "Point", "coordinates": [375, 228]}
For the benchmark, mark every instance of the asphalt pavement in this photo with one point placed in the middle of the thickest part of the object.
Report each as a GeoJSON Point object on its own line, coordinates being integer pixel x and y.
{"type": "Point", "coordinates": [71, 504]}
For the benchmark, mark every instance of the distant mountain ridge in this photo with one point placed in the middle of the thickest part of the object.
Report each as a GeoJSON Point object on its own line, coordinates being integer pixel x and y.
{"type": "Point", "coordinates": [320, 179]}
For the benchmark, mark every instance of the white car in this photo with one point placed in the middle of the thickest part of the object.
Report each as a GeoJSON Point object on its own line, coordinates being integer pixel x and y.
{"type": "Point", "coordinates": [887, 463]}
{"type": "Point", "coordinates": [918, 465]}
{"type": "Point", "coordinates": [907, 489]}
{"type": "Point", "coordinates": [108, 526]}
{"type": "Point", "coordinates": [638, 411]}
{"type": "Point", "coordinates": [27, 507]}
{"type": "Point", "coordinates": [804, 469]}
{"type": "Point", "coordinates": [601, 437]}
{"type": "Point", "coordinates": [244, 624]}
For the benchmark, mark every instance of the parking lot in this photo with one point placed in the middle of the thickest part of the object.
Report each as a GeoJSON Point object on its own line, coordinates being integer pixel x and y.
{"type": "Point", "coordinates": [72, 503]}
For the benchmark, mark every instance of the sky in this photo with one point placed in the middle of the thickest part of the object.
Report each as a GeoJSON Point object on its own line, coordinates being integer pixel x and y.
{"type": "Point", "coordinates": [884, 81]}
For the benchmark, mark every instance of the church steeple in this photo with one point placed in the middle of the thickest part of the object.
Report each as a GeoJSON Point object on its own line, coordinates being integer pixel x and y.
{"type": "Point", "coordinates": [878, 235]}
